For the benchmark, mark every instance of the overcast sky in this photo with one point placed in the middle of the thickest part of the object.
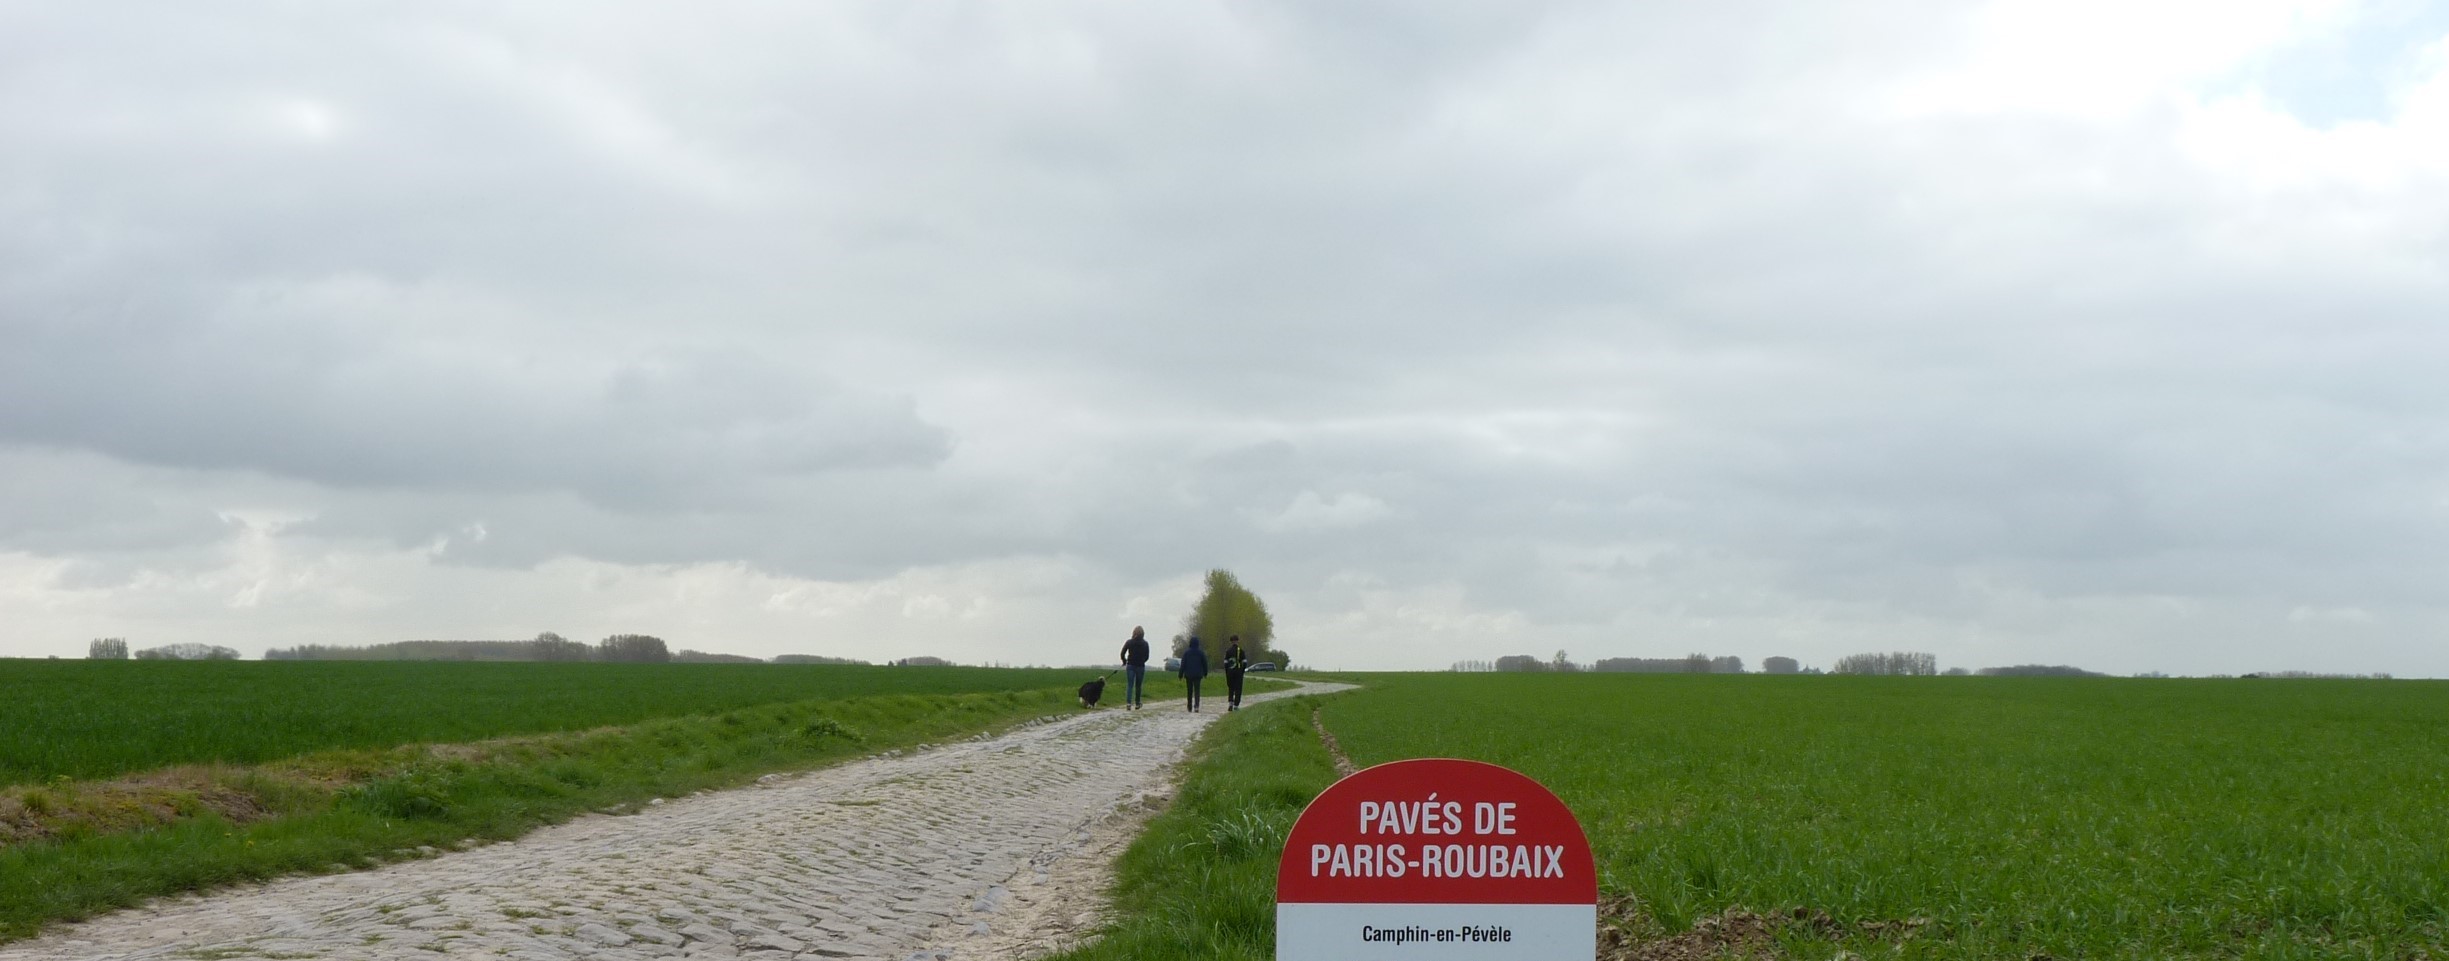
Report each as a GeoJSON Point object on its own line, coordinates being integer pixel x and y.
{"type": "Point", "coordinates": [2066, 331]}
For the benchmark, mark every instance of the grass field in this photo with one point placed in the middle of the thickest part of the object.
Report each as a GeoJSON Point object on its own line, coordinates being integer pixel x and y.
{"type": "Point", "coordinates": [1924, 817]}
{"type": "Point", "coordinates": [91, 719]}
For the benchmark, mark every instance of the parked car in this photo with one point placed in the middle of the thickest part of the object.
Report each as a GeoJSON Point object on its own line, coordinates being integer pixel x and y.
{"type": "Point", "coordinates": [1263, 666]}
{"type": "Point", "coordinates": [1173, 664]}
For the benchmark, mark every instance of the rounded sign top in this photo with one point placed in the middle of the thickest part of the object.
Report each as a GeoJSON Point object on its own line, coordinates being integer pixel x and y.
{"type": "Point", "coordinates": [1437, 831]}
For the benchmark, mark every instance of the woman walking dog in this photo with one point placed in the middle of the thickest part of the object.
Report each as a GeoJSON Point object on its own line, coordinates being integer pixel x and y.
{"type": "Point", "coordinates": [1134, 667]}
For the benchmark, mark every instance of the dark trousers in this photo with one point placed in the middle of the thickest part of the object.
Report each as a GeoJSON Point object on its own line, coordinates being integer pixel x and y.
{"type": "Point", "coordinates": [1233, 690]}
{"type": "Point", "coordinates": [1194, 693]}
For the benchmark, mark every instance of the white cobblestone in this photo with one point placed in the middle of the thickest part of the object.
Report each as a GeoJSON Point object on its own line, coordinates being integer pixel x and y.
{"type": "Point", "coordinates": [868, 859]}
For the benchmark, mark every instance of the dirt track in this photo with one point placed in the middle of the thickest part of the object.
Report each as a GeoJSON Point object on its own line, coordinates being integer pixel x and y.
{"type": "Point", "coordinates": [984, 849]}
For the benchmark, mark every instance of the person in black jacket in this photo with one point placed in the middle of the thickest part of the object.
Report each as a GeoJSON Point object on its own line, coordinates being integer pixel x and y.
{"type": "Point", "coordinates": [1134, 667]}
{"type": "Point", "coordinates": [1194, 667]}
{"type": "Point", "coordinates": [1235, 662]}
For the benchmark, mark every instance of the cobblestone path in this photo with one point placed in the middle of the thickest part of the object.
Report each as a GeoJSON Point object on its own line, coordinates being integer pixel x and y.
{"type": "Point", "coordinates": [893, 857]}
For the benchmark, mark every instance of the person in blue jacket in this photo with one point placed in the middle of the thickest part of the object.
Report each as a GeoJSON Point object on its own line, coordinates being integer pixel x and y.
{"type": "Point", "coordinates": [1134, 667]}
{"type": "Point", "coordinates": [1194, 667]}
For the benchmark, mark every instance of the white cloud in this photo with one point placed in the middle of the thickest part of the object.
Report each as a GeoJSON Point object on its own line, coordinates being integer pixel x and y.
{"type": "Point", "coordinates": [1310, 512]}
{"type": "Point", "coordinates": [2020, 331]}
{"type": "Point", "coordinates": [2351, 615]}
{"type": "Point", "coordinates": [2100, 58]}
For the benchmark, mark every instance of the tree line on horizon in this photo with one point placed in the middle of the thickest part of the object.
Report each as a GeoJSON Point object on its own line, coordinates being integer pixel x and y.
{"type": "Point", "coordinates": [1561, 664]}
{"type": "Point", "coordinates": [1877, 664]}
{"type": "Point", "coordinates": [1893, 663]}
{"type": "Point", "coordinates": [116, 649]}
{"type": "Point", "coordinates": [545, 647]}
{"type": "Point", "coordinates": [1225, 609]}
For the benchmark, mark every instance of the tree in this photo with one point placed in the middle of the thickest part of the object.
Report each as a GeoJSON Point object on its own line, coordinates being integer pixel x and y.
{"type": "Point", "coordinates": [1227, 610]}
{"type": "Point", "coordinates": [107, 649]}
{"type": "Point", "coordinates": [187, 652]}
{"type": "Point", "coordinates": [1780, 665]}
{"type": "Point", "coordinates": [1892, 663]}
{"type": "Point", "coordinates": [633, 648]}
{"type": "Point", "coordinates": [1688, 664]}
{"type": "Point", "coordinates": [549, 646]}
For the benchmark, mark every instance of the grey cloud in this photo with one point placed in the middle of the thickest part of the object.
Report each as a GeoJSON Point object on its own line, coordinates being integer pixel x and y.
{"type": "Point", "coordinates": [1610, 310]}
{"type": "Point", "coordinates": [343, 405]}
{"type": "Point", "coordinates": [71, 505]}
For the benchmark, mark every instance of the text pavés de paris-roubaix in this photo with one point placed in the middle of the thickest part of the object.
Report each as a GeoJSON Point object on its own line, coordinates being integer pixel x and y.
{"type": "Point", "coordinates": [1437, 859]}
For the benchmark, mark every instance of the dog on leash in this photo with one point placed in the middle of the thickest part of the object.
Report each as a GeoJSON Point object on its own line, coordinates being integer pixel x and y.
{"type": "Point", "coordinates": [1094, 689]}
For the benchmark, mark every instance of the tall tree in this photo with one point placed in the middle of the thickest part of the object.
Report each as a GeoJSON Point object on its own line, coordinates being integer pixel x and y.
{"type": "Point", "coordinates": [633, 648]}
{"type": "Point", "coordinates": [1229, 609]}
{"type": "Point", "coordinates": [1906, 663]}
{"type": "Point", "coordinates": [549, 646]}
{"type": "Point", "coordinates": [107, 649]}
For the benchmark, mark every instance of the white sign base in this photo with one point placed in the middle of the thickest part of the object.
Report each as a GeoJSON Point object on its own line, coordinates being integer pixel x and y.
{"type": "Point", "coordinates": [1435, 932]}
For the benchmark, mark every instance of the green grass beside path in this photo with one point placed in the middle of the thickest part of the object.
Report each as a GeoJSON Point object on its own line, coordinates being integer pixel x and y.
{"type": "Point", "coordinates": [1914, 818]}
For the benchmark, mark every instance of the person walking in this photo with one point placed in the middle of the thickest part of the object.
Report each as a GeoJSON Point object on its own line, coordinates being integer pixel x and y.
{"type": "Point", "coordinates": [1194, 667]}
{"type": "Point", "coordinates": [1235, 662]}
{"type": "Point", "coordinates": [1134, 667]}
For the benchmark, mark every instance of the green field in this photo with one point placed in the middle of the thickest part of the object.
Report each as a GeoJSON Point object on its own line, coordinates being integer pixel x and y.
{"type": "Point", "coordinates": [1896, 817]}
{"type": "Point", "coordinates": [1911, 817]}
{"type": "Point", "coordinates": [93, 719]}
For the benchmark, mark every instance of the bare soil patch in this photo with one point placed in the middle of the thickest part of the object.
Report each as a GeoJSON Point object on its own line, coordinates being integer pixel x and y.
{"type": "Point", "coordinates": [136, 802]}
{"type": "Point", "coordinates": [1627, 932]}
{"type": "Point", "coordinates": [1335, 749]}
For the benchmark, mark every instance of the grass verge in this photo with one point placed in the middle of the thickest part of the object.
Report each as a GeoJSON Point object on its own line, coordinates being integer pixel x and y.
{"type": "Point", "coordinates": [343, 810]}
{"type": "Point", "coordinates": [1200, 882]}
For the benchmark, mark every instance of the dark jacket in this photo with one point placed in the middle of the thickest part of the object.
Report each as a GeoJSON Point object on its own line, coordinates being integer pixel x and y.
{"type": "Point", "coordinates": [1194, 662]}
{"type": "Point", "coordinates": [1235, 662]}
{"type": "Point", "coordinates": [1135, 651]}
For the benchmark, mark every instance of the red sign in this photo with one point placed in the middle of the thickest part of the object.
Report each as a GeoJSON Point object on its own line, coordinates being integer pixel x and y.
{"type": "Point", "coordinates": [1503, 860]}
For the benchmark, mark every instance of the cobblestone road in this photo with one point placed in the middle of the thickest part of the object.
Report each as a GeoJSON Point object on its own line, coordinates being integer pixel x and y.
{"type": "Point", "coordinates": [889, 857]}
